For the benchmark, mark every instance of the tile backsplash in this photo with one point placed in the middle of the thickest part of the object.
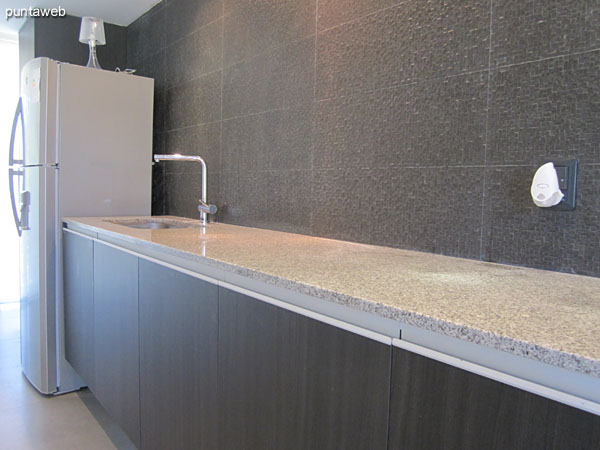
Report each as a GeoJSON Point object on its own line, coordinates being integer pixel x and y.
{"type": "Point", "coordinates": [411, 124]}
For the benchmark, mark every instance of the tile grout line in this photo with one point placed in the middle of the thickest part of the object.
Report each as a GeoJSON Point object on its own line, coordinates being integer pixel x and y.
{"type": "Point", "coordinates": [274, 48]}
{"type": "Point", "coordinates": [314, 123]}
{"type": "Point", "coordinates": [294, 105]}
{"type": "Point", "coordinates": [356, 19]}
{"type": "Point", "coordinates": [547, 58]}
{"type": "Point", "coordinates": [343, 169]}
{"type": "Point", "coordinates": [220, 198]}
{"type": "Point", "coordinates": [408, 82]}
{"type": "Point", "coordinates": [161, 172]}
{"type": "Point", "coordinates": [486, 140]}
{"type": "Point", "coordinates": [187, 127]}
{"type": "Point", "coordinates": [212, 122]}
{"type": "Point", "coordinates": [200, 28]}
{"type": "Point", "coordinates": [388, 168]}
{"type": "Point", "coordinates": [400, 166]}
{"type": "Point", "coordinates": [221, 117]}
{"type": "Point", "coordinates": [189, 172]}
{"type": "Point", "coordinates": [170, 87]}
{"type": "Point", "coordinates": [383, 168]}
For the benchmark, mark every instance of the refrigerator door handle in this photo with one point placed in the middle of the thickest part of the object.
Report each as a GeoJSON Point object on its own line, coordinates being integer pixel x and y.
{"type": "Point", "coordinates": [25, 201]}
{"type": "Point", "coordinates": [12, 172]}
{"type": "Point", "coordinates": [18, 117]}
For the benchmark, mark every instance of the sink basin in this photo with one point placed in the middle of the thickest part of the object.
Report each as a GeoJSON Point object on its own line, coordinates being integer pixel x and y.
{"type": "Point", "coordinates": [151, 225]}
{"type": "Point", "coordinates": [156, 224]}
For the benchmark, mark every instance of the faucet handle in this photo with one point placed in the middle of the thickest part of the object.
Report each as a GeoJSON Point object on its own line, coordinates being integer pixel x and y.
{"type": "Point", "coordinates": [206, 208]}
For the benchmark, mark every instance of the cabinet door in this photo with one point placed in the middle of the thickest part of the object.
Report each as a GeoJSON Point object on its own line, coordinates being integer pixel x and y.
{"type": "Point", "coordinates": [78, 290]}
{"type": "Point", "coordinates": [438, 406]}
{"type": "Point", "coordinates": [291, 382]}
{"type": "Point", "coordinates": [116, 344]}
{"type": "Point", "coordinates": [178, 360]}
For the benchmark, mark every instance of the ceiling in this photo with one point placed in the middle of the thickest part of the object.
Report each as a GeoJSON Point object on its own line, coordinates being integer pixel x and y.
{"type": "Point", "coordinates": [119, 12]}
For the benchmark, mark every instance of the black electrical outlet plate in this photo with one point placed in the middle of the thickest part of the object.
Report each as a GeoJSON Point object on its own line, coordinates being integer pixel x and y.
{"type": "Point", "coordinates": [567, 183]}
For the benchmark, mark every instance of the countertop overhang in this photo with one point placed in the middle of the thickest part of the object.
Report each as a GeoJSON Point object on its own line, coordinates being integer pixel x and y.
{"type": "Point", "coordinates": [546, 316]}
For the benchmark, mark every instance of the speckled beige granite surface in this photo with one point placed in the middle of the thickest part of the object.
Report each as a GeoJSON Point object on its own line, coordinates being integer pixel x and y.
{"type": "Point", "coordinates": [547, 316]}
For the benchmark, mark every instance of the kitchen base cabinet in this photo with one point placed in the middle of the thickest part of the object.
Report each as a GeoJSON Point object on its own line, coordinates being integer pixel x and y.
{"type": "Point", "coordinates": [180, 363]}
{"type": "Point", "coordinates": [438, 406]}
{"type": "Point", "coordinates": [288, 382]}
{"type": "Point", "coordinates": [178, 360]}
{"type": "Point", "coordinates": [116, 343]}
{"type": "Point", "coordinates": [78, 270]}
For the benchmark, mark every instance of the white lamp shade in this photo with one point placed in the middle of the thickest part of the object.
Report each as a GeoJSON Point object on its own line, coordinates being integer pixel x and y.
{"type": "Point", "coordinates": [92, 29]}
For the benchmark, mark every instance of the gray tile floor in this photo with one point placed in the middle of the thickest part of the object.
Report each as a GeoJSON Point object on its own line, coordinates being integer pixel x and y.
{"type": "Point", "coordinates": [29, 420]}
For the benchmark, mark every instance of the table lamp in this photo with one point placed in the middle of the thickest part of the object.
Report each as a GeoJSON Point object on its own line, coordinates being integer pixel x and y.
{"type": "Point", "coordinates": [92, 33]}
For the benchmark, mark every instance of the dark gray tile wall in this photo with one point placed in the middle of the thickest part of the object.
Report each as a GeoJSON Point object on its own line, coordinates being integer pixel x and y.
{"type": "Point", "coordinates": [279, 78]}
{"type": "Point", "coordinates": [251, 28]}
{"type": "Point", "coordinates": [413, 124]}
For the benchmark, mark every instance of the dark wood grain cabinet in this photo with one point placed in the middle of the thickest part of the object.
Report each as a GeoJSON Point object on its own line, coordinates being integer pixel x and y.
{"type": "Point", "coordinates": [116, 338]}
{"type": "Point", "coordinates": [290, 382]}
{"type": "Point", "coordinates": [78, 269]}
{"type": "Point", "coordinates": [438, 406]}
{"type": "Point", "coordinates": [181, 363]}
{"type": "Point", "coordinates": [178, 360]}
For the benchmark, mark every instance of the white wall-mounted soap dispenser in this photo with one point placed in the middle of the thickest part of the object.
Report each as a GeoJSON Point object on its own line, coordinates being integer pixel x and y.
{"type": "Point", "coordinates": [544, 187]}
{"type": "Point", "coordinates": [554, 186]}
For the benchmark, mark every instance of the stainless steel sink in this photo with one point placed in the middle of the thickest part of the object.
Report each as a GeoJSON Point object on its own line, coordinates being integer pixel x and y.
{"type": "Point", "coordinates": [151, 225]}
{"type": "Point", "coordinates": [156, 224]}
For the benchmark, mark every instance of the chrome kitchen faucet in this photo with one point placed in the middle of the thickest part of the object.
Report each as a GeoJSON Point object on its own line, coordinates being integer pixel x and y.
{"type": "Point", "coordinates": [203, 207]}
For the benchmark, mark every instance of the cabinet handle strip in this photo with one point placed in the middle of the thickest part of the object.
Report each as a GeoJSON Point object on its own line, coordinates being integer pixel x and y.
{"type": "Point", "coordinates": [510, 380]}
{"type": "Point", "coordinates": [311, 314]}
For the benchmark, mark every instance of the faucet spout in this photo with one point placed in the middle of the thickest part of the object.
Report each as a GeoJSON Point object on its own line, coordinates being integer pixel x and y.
{"type": "Point", "coordinates": [204, 207]}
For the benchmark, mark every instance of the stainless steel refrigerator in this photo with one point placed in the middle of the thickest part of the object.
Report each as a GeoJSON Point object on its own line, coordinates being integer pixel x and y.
{"type": "Point", "coordinates": [81, 145]}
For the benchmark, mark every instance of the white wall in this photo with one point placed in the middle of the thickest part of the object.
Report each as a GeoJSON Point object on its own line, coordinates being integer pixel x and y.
{"type": "Point", "coordinates": [9, 244]}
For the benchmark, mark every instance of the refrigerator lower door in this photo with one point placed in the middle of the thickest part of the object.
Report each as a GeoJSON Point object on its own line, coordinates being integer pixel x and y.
{"type": "Point", "coordinates": [37, 279]}
{"type": "Point", "coordinates": [15, 187]}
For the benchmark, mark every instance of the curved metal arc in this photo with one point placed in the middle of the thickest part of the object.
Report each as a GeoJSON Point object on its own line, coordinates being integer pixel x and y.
{"type": "Point", "coordinates": [204, 208]}
{"type": "Point", "coordinates": [12, 172]}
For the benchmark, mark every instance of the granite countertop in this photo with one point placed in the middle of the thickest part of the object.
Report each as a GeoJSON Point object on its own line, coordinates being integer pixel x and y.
{"type": "Point", "coordinates": [546, 316]}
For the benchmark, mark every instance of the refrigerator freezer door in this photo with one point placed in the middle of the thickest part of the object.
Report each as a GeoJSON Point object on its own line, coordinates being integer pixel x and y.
{"type": "Point", "coordinates": [38, 332]}
{"type": "Point", "coordinates": [105, 150]}
{"type": "Point", "coordinates": [38, 97]}
{"type": "Point", "coordinates": [32, 111]}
